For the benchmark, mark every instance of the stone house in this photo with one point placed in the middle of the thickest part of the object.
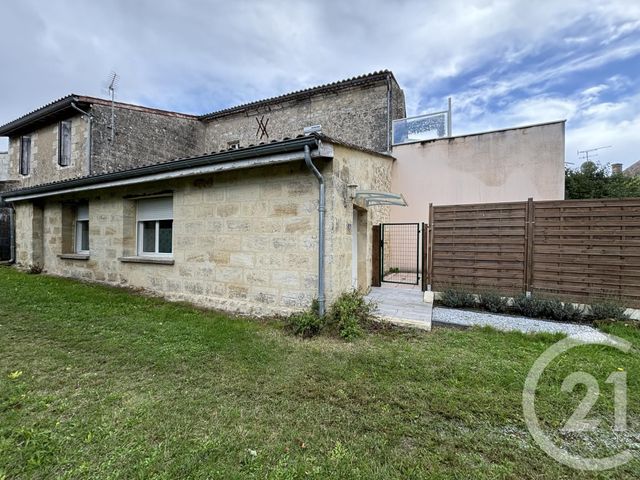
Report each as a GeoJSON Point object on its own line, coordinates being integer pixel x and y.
{"type": "Point", "coordinates": [236, 230]}
{"type": "Point", "coordinates": [127, 195]}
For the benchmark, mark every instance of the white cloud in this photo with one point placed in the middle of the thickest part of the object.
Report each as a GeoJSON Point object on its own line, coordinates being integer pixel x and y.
{"type": "Point", "coordinates": [212, 54]}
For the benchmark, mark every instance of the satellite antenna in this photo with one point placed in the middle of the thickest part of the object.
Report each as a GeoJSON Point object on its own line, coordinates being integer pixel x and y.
{"type": "Point", "coordinates": [585, 154]}
{"type": "Point", "coordinates": [113, 85]}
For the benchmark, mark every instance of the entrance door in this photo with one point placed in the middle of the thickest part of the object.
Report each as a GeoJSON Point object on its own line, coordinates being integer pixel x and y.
{"type": "Point", "coordinates": [400, 252]}
{"type": "Point", "coordinates": [354, 250]}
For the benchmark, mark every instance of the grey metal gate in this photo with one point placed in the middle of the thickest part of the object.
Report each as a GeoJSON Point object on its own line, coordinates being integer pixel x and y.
{"type": "Point", "coordinates": [6, 227]}
{"type": "Point", "coordinates": [400, 252]}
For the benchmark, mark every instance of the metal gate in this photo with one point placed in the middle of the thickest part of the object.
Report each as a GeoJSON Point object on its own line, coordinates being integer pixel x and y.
{"type": "Point", "coordinates": [6, 227]}
{"type": "Point", "coordinates": [400, 253]}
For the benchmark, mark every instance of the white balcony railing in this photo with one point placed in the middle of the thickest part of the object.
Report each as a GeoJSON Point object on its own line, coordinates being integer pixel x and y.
{"type": "Point", "coordinates": [422, 127]}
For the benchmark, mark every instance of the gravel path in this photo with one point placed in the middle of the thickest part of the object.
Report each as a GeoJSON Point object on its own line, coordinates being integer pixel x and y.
{"type": "Point", "coordinates": [466, 318]}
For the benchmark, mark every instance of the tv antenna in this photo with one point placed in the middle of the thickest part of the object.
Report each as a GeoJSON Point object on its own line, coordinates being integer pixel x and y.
{"type": "Point", "coordinates": [586, 154]}
{"type": "Point", "coordinates": [112, 86]}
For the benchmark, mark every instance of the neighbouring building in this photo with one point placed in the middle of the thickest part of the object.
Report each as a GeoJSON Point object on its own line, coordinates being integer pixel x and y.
{"type": "Point", "coordinates": [224, 209]}
{"type": "Point", "coordinates": [633, 170]}
{"type": "Point", "coordinates": [499, 166]}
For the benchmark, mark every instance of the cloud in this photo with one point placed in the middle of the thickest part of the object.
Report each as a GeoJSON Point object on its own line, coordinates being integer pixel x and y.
{"type": "Point", "coordinates": [502, 61]}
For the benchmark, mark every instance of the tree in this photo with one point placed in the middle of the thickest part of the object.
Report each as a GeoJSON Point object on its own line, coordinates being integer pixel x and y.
{"type": "Point", "coordinates": [592, 180]}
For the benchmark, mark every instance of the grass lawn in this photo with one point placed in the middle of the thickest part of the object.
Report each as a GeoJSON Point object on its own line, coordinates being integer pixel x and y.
{"type": "Point", "coordinates": [117, 385]}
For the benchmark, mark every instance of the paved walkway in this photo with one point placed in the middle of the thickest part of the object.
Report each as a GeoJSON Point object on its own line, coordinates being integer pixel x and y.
{"type": "Point", "coordinates": [402, 306]}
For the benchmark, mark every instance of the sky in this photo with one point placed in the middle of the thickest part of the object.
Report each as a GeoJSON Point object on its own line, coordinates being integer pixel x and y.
{"type": "Point", "coordinates": [505, 63]}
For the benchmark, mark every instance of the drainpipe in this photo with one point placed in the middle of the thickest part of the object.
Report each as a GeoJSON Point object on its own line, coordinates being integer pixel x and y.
{"type": "Point", "coordinates": [321, 210]}
{"type": "Point", "coordinates": [89, 124]}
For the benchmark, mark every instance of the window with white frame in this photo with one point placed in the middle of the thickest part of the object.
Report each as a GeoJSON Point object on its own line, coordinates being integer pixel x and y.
{"type": "Point", "coordinates": [155, 226]}
{"type": "Point", "coordinates": [64, 143]}
{"type": "Point", "coordinates": [82, 228]}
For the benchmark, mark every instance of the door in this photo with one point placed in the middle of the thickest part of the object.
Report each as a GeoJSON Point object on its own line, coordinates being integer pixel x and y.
{"type": "Point", "coordinates": [354, 250]}
{"type": "Point", "coordinates": [400, 253]}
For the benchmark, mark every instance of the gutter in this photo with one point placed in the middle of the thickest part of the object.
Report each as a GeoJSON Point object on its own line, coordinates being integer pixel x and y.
{"type": "Point", "coordinates": [174, 168]}
{"type": "Point", "coordinates": [321, 239]}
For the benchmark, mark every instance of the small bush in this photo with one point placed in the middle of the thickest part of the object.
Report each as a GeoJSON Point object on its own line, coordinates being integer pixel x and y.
{"type": "Point", "coordinates": [351, 314]}
{"type": "Point", "coordinates": [494, 302]}
{"type": "Point", "coordinates": [457, 298]}
{"type": "Point", "coordinates": [608, 310]}
{"type": "Point", "coordinates": [35, 269]}
{"type": "Point", "coordinates": [563, 312]}
{"type": "Point", "coordinates": [306, 324]}
{"type": "Point", "coordinates": [530, 306]}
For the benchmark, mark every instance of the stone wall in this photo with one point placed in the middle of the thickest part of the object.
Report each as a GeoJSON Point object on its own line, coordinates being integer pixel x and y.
{"type": "Point", "coordinates": [369, 172]}
{"type": "Point", "coordinates": [357, 115]}
{"type": "Point", "coordinates": [44, 166]}
{"type": "Point", "coordinates": [142, 138]}
{"type": "Point", "coordinates": [244, 241]}
{"type": "Point", "coordinates": [4, 167]}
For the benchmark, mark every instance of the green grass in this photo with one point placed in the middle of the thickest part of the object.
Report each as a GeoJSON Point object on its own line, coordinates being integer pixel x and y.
{"type": "Point", "coordinates": [117, 385]}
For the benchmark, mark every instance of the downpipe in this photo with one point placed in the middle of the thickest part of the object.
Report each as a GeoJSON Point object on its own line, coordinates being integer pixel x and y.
{"type": "Point", "coordinates": [321, 239]}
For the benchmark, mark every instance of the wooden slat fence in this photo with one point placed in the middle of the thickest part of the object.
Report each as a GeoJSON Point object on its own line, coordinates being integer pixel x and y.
{"type": "Point", "coordinates": [579, 250]}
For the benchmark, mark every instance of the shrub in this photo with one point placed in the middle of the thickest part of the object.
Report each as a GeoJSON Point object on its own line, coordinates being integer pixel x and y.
{"type": "Point", "coordinates": [494, 302]}
{"type": "Point", "coordinates": [306, 324]}
{"type": "Point", "coordinates": [563, 312]}
{"type": "Point", "coordinates": [457, 298]}
{"type": "Point", "coordinates": [351, 314]}
{"type": "Point", "coordinates": [530, 306]}
{"type": "Point", "coordinates": [608, 310]}
{"type": "Point", "coordinates": [35, 269]}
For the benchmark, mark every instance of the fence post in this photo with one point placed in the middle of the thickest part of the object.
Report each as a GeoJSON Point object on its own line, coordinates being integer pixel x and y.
{"type": "Point", "coordinates": [375, 257]}
{"type": "Point", "coordinates": [430, 249]}
{"type": "Point", "coordinates": [425, 250]}
{"type": "Point", "coordinates": [528, 246]}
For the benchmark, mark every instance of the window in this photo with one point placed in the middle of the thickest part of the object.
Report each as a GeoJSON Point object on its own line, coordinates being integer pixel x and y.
{"type": "Point", "coordinates": [155, 226]}
{"type": "Point", "coordinates": [64, 143]}
{"type": "Point", "coordinates": [82, 229]}
{"type": "Point", "coordinates": [25, 155]}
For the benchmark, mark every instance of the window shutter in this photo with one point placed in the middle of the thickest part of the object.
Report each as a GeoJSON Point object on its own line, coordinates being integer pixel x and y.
{"type": "Point", "coordinates": [160, 208]}
{"type": "Point", "coordinates": [83, 212]}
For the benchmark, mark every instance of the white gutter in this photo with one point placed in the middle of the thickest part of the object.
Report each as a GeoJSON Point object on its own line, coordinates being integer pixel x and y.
{"type": "Point", "coordinates": [325, 152]}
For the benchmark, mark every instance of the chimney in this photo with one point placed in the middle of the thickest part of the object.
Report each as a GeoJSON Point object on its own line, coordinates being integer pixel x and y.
{"type": "Point", "coordinates": [616, 168]}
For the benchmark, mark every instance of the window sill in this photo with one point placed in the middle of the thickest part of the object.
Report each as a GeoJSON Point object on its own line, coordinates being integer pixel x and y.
{"type": "Point", "coordinates": [74, 256]}
{"type": "Point", "coordinates": [142, 259]}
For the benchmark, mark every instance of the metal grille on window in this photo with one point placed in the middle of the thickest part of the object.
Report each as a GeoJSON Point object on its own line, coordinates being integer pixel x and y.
{"type": "Point", "coordinates": [64, 143]}
{"type": "Point", "coordinates": [25, 155]}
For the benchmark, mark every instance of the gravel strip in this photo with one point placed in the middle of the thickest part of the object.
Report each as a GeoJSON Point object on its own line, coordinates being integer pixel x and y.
{"type": "Point", "coordinates": [509, 323]}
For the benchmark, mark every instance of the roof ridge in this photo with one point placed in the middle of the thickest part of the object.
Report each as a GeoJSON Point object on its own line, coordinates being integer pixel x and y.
{"type": "Point", "coordinates": [307, 91]}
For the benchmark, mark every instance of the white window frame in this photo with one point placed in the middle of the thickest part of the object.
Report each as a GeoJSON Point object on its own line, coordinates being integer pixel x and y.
{"type": "Point", "coordinates": [140, 220]}
{"type": "Point", "coordinates": [82, 217]}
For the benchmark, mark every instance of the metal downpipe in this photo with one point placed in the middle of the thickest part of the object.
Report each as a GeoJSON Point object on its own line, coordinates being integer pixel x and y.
{"type": "Point", "coordinates": [321, 239]}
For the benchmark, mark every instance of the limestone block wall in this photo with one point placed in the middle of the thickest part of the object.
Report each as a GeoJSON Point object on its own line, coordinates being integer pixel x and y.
{"type": "Point", "coordinates": [369, 172]}
{"type": "Point", "coordinates": [243, 241]}
{"type": "Point", "coordinates": [44, 155]}
{"type": "Point", "coordinates": [358, 115]}
{"type": "Point", "coordinates": [142, 138]}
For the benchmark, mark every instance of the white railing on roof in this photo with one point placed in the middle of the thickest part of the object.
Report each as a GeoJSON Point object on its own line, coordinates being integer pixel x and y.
{"type": "Point", "coordinates": [422, 127]}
